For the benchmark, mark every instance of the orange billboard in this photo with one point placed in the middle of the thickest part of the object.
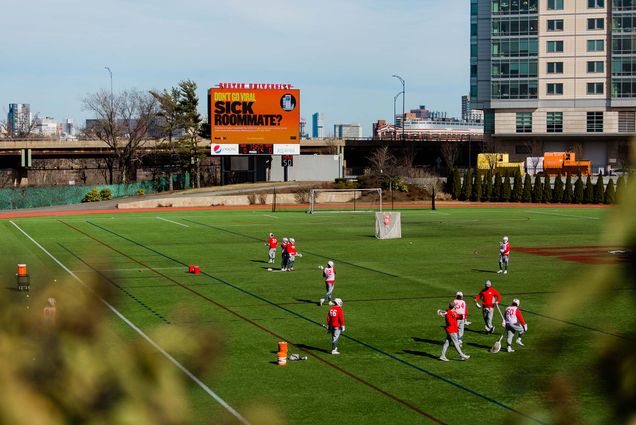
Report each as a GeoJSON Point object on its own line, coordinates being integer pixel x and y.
{"type": "Point", "coordinates": [255, 113]}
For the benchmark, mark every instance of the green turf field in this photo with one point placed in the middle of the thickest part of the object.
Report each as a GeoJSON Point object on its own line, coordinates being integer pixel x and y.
{"type": "Point", "coordinates": [388, 371]}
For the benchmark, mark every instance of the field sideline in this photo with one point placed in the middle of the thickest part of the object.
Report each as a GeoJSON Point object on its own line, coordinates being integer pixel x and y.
{"type": "Point", "coordinates": [388, 371]}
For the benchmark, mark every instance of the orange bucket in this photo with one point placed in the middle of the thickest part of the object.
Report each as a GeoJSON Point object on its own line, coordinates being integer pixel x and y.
{"type": "Point", "coordinates": [282, 359]}
{"type": "Point", "coordinates": [282, 347]}
{"type": "Point", "coordinates": [197, 270]}
{"type": "Point", "coordinates": [190, 269]}
{"type": "Point", "coordinates": [22, 269]}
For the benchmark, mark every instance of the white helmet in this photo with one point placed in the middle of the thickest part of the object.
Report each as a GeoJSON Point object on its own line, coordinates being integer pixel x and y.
{"type": "Point", "coordinates": [505, 238]}
{"type": "Point", "coordinates": [516, 302]}
{"type": "Point", "coordinates": [459, 294]}
{"type": "Point", "coordinates": [330, 263]}
{"type": "Point", "coordinates": [292, 240]}
{"type": "Point", "coordinates": [488, 284]}
{"type": "Point", "coordinates": [285, 240]}
{"type": "Point", "coordinates": [271, 234]}
{"type": "Point", "coordinates": [338, 302]}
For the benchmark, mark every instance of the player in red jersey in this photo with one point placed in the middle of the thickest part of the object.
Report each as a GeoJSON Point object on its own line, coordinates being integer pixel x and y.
{"type": "Point", "coordinates": [329, 273]}
{"type": "Point", "coordinates": [489, 297]}
{"type": "Point", "coordinates": [504, 255]}
{"type": "Point", "coordinates": [515, 323]}
{"type": "Point", "coordinates": [272, 243]}
{"type": "Point", "coordinates": [283, 254]}
{"type": "Point", "coordinates": [451, 316]}
{"type": "Point", "coordinates": [335, 324]}
{"type": "Point", "coordinates": [291, 254]}
{"type": "Point", "coordinates": [462, 315]}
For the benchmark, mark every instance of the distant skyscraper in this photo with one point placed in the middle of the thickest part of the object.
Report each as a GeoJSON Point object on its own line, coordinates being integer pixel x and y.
{"type": "Point", "coordinates": [318, 125]}
{"type": "Point", "coordinates": [303, 128]}
{"type": "Point", "coordinates": [465, 107]}
{"type": "Point", "coordinates": [19, 118]}
{"type": "Point", "coordinates": [69, 127]}
{"type": "Point", "coordinates": [46, 126]}
{"type": "Point", "coordinates": [347, 131]}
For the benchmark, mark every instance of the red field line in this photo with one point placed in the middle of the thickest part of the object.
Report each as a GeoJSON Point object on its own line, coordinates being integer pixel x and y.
{"type": "Point", "coordinates": [418, 205]}
{"type": "Point", "coordinates": [596, 254]}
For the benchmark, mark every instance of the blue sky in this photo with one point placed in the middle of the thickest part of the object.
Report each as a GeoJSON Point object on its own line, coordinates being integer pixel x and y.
{"type": "Point", "coordinates": [339, 53]}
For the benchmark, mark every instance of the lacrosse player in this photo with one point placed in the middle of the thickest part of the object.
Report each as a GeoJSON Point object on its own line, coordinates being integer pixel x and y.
{"type": "Point", "coordinates": [335, 324]}
{"type": "Point", "coordinates": [283, 254]}
{"type": "Point", "coordinates": [272, 243]}
{"type": "Point", "coordinates": [490, 297]}
{"type": "Point", "coordinates": [462, 315]}
{"type": "Point", "coordinates": [515, 323]}
{"type": "Point", "coordinates": [50, 313]}
{"type": "Point", "coordinates": [291, 254]}
{"type": "Point", "coordinates": [329, 273]}
{"type": "Point", "coordinates": [504, 255]}
{"type": "Point", "coordinates": [451, 329]}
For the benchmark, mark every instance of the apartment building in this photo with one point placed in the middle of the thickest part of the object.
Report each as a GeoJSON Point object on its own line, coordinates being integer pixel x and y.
{"type": "Point", "coordinates": [556, 75]}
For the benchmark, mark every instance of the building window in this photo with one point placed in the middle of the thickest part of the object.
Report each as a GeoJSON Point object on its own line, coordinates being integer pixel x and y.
{"type": "Point", "coordinates": [624, 87]}
{"type": "Point", "coordinates": [555, 67]}
{"type": "Point", "coordinates": [514, 68]}
{"type": "Point", "coordinates": [596, 66]}
{"type": "Point", "coordinates": [555, 4]}
{"type": "Point", "coordinates": [514, 7]}
{"type": "Point", "coordinates": [489, 122]}
{"type": "Point", "coordinates": [555, 88]}
{"type": "Point", "coordinates": [595, 45]}
{"type": "Point", "coordinates": [594, 122]}
{"type": "Point", "coordinates": [523, 25]}
{"type": "Point", "coordinates": [627, 122]}
{"type": "Point", "coordinates": [595, 4]}
{"type": "Point", "coordinates": [555, 46]}
{"type": "Point", "coordinates": [554, 122]}
{"type": "Point", "coordinates": [624, 5]}
{"type": "Point", "coordinates": [517, 47]}
{"type": "Point", "coordinates": [595, 24]}
{"type": "Point", "coordinates": [524, 122]}
{"type": "Point", "coordinates": [555, 24]}
{"type": "Point", "coordinates": [514, 89]}
{"type": "Point", "coordinates": [594, 88]}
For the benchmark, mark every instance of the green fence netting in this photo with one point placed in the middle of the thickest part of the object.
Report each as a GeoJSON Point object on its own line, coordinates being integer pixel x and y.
{"type": "Point", "coordinates": [36, 197]}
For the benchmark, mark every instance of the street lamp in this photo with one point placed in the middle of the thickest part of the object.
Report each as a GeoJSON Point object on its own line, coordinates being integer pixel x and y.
{"type": "Point", "coordinates": [394, 113]}
{"type": "Point", "coordinates": [403, 101]}
{"type": "Point", "coordinates": [111, 89]}
{"type": "Point", "coordinates": [111, 80]}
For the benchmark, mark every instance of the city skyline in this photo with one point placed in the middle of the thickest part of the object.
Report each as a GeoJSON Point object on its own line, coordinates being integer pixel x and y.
{"type": "Point", "coordinates": [343, 66]}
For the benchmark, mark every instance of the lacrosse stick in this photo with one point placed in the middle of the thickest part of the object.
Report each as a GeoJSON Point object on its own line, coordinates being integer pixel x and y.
{"type": "Point", "coordinates": [503, 321]}
{"type": "Point", "coordinates": [497, 346]}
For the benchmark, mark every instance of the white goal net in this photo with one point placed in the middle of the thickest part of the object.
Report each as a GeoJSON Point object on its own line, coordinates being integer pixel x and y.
{"type": "Point", "coordinates": [345, 200]}
{"type": "Point", "coordinates": [388, 225]}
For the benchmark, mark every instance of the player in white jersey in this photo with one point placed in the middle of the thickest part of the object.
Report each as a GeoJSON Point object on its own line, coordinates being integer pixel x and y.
{"type": "Point", "coordinates": [329, 273]}
{"type": "Point", "coordinates": [504, 255]}
{"type": "Point", "coordinates": [462, 314]}
{"type": "Point", "coordinates": [515, 323]}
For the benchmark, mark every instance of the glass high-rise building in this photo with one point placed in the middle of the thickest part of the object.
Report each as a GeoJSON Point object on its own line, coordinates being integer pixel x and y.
{"type": "Point", "coordinates": [318, 125]}
{"type": "Point", "coordinates": [555, 75]}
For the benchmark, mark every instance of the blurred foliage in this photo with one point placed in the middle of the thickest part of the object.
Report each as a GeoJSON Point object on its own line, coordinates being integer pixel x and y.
{"type": "Point", "coordinates": [78, 370]}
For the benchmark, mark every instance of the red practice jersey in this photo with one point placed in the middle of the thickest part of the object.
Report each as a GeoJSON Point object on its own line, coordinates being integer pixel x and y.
{"type": "Point", "coordinates": [283, 246]}
{"type": "Point", "coordinates": [335, 317]}
{"type": "Point", "coordinates": [272, 242]}
{"type": "Point", "coordinates": [330, 275]}
{"type": "Point", "coordinates": [504, 249]}
{"type": "Point", "coordinates": [488, 295]}
{"type": "Point", "coordinates": [451, 321]}
{"type": "Point", "coordinates": [291, 249]}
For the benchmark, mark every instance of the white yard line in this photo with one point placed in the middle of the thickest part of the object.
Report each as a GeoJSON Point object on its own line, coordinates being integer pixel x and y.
{"type": "Point", "coordinates": [173, 222]}
{"type": "Point", "coordinates": [565, 215]}
{"type": "Point", "coordinates": [141, 333]}
{"type": "Point", "coordinates": [270, 216]}
{"type": "Point", "coordinates": [87, 270]}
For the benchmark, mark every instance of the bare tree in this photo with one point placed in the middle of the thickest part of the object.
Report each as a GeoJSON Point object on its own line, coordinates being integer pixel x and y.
{"type": "Point", "coordinates": [22, 128]}
{"type": "Point", "coordinates": [383, 162]}
{"type": "Point", "coordinates": [450, 153]}
{"type": "Point", "coordinates": [534, 148]}
{"type": "Point", "coordinates": [122, 122]}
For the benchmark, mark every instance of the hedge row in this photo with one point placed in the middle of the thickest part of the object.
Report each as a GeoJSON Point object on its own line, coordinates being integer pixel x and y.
{"type": "Point", "coordinates": [497, 188]}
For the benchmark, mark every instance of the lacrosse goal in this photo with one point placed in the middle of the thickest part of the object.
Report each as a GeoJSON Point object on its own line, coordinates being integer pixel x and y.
{"type": "Point", "coordinates": [345, 200]}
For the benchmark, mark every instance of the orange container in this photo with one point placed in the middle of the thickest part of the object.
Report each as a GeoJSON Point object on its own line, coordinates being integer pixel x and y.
{"type": "Point", "coordinates": [22, 269]}
{"type": "Point", "coordinates": [282, 347]}
{"type": "Point", "coordinates": [197, 270]}
{"type": "Point", "coordinates": [282, 359]}
{"type": "Point", "coordinates": [190, 269]}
